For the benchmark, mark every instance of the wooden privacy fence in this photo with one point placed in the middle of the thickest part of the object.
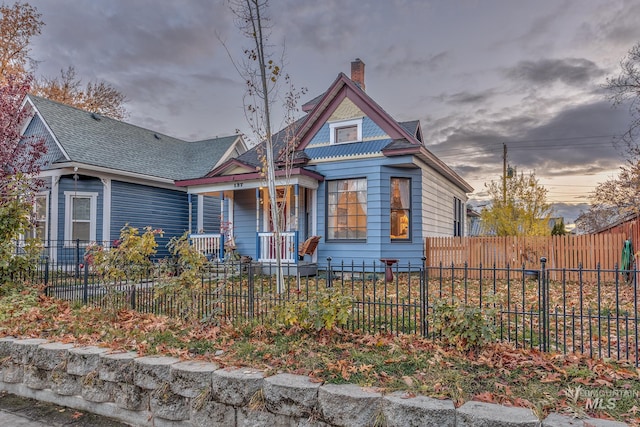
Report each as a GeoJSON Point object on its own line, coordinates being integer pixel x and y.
{"type": "Point", "coordinates": [562, 252]}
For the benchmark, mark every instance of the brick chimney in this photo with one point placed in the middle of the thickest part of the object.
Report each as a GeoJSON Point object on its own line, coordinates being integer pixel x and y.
{"type": "Point", "coordinates": [357, 72]}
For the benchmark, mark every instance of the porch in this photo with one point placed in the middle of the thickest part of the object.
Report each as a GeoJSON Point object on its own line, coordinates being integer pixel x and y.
{"type": "Point", "coordinates": [212, 245]}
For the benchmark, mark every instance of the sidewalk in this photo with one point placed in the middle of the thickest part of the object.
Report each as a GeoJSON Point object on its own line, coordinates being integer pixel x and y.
{"type": "Point", "coordinates": [18, 411]}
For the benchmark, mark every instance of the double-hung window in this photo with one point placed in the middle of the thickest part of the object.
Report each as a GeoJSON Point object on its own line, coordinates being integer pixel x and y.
{"type": "Point", "coordinates": [347, 209]}
{"type": "Point", "coordinates": [458, 216]}
{"type": "Point", "coordinates": [80, 216]}
{"type": "Point", "coordinates": [400, 208]}
{"type": "Point", "coordinates": [40, 215]}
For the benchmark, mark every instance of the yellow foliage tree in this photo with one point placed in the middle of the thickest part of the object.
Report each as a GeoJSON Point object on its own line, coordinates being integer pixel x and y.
{"type": "Point", "coordinates": [521, 210]}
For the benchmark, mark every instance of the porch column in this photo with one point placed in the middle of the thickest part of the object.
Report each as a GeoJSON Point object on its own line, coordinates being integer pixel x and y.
{"type": "Point", "coordinates": [200, 218]}
{"type": "Point", "coordinates": [222, 212]}
{"type": "Point", "coordinates": [257, 223]}
{"type": "Point", "coordinates": [106, 211]}
{"type": "Point", "coordinates": [54, 219]}
{"type": "Point", "coordinates": [296, 202]}
{"type": "Point", "coordinates": [223, 228]}
{"type": "Point", "coordinates": [190, 211]}
{"type": "Point", "coordinates": [314, 212]}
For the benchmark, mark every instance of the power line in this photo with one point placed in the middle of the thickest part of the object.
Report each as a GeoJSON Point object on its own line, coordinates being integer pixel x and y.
{"type": "Point", "coordinates": [497, 147]}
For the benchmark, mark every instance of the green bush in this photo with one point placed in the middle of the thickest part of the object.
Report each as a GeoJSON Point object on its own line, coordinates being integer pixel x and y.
{"type": "Point", "coordinates": [128, 260]}
{"type": "Point", "coordinates": [183, 283]}
{"type": "Point", "coordinates": [463, 326]}
{"type": "Point", "coordinates": [326, 308]}
{"type": "Point", "coordinates": [16, 209]}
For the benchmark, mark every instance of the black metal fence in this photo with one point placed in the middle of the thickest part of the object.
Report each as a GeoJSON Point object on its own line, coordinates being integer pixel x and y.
{"type": "Point", "coordinates": [565, 310]}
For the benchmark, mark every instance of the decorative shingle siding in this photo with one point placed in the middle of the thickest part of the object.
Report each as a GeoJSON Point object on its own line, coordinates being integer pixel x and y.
{"type": "Point", "coordinates": [350, 149]}
{"type": "Point", "coordinates": [370, 132]}
{"type": "Point", "coordinates": [346, 110]}
{"type": "Point", "coordinates": [142, 206]}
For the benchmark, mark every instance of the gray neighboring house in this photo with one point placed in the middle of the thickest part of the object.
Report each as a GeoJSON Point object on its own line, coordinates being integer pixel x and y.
{"type": "Point", "coordinates": [100, 174]}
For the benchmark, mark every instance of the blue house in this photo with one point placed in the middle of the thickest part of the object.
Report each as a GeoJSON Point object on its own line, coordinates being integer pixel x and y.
{"type": "Point", "coordinates": [100, 174]}
{"type": "Point", "coordinates": [362, 181]}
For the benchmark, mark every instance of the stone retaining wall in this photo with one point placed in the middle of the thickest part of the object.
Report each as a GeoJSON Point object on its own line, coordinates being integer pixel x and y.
{"type": "Point", "coordinates": [164, 391]}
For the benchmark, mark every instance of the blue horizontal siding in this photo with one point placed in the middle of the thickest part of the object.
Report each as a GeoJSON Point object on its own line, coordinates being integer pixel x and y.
{"type": "Point", "coordinates": [141, 206]}
{"type": "Point", "coordinates": [244, 224]}
{"type": "Point", "coordinates": [378, 243]}
{"type": "Point", "coordinates": [211, 215]}
{"type": "Point", "coordinates": [37, 130]}
{"type": "Point", "coordinates": [83, 184]}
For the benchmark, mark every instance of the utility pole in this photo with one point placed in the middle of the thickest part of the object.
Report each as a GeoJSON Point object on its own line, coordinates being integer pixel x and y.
{"type": "Point", "coordinates": [504, 173]}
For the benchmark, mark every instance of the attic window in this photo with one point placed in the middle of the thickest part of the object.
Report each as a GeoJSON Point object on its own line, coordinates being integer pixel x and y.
{"type": "Point", "coordinates": [345, 131]}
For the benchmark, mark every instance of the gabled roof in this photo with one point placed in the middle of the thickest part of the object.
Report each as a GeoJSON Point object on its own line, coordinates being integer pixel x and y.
{"type": "Point", "coordinates": [343, 87]}
{"type": "Point", "coordinates": [404, 138]}
{"type": "Point", "coordinates": [100, 141]}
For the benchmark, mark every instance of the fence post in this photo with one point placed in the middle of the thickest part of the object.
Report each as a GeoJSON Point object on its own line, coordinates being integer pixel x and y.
{"type": "Point", "coordinates": [424, 297]}
{"type": "Point", "coordinates": [133, 297]}
{"type": "Point", "coordinates": [329, 273]}
{"type": "Point", "coordinates": [77, 274]}
{"type": "Point", "coordinates": [250, 287]}
{"type": "Point", "coordinates": [544, 305]}
{"type": "Point", "coordinates": [85, 294]}
{"type": "Point", "coordinates": [46, 275]}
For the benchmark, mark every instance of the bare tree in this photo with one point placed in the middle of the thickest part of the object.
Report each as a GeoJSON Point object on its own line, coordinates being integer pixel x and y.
{"type": "Point", "coordinates": [96, 97]}
{"type": "Point", "coordinates": [619, 197]}
{"type": "Point", "coordinates": [625, 87]}
{"type": "Point", "coordinates": [264, 77]}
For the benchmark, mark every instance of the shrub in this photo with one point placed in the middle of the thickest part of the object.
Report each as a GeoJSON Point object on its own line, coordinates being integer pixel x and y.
{"type": "Point", "coordinates": [326, 308]}
{"type": "Point", "coordinates": [16, 208]}
{"type": "Point", "coordinates": [463, 326]}
{"type": "Point", "coordinates": [185, 284]}
{"type": "Point", "coordinates": [127, 261]}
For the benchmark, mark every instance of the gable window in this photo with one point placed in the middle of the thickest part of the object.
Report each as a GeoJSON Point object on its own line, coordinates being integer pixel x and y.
{"type": "Point", "coordinates": [40, 215]}
{"type": "Point", "coordinates": [347, 209]}
{"type": "Point", "coordinates": [400, 208]}
{"type": "Point", "coordinates": [458, 229]}
{"type": "Point", "coordinates": [345, 131]}
{"type": "Point", "coordinates": [80, 216]}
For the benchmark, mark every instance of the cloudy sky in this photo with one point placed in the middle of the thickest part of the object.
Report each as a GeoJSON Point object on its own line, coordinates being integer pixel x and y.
{"type": "Point", "coordinates": [477, 73]}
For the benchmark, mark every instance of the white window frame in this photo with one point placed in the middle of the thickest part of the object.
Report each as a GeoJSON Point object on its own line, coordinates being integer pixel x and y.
{"type": "Point", "coordinates": [68, 211]}
{"type": "Point", "coordinates": [46, 214]}
{"type": "Point", "coordinates": [342, 124]}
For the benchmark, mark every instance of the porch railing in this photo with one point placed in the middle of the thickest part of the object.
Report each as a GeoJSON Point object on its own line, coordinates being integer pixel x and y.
{"type": "Point", "coordinates": [267, 247]}
{"type": "Point", "coordinates": [210, 245]}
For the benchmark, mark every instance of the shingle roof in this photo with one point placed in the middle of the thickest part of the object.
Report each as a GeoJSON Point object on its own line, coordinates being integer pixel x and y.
{"type": "Point", "coordinates": [104, 142]}
{"type": "Point", "coordinates": [351, 149]}
{"type": "Point", "coordinates": [252, 156]}
{"type": "Point", "coordinates": [411, 127]}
